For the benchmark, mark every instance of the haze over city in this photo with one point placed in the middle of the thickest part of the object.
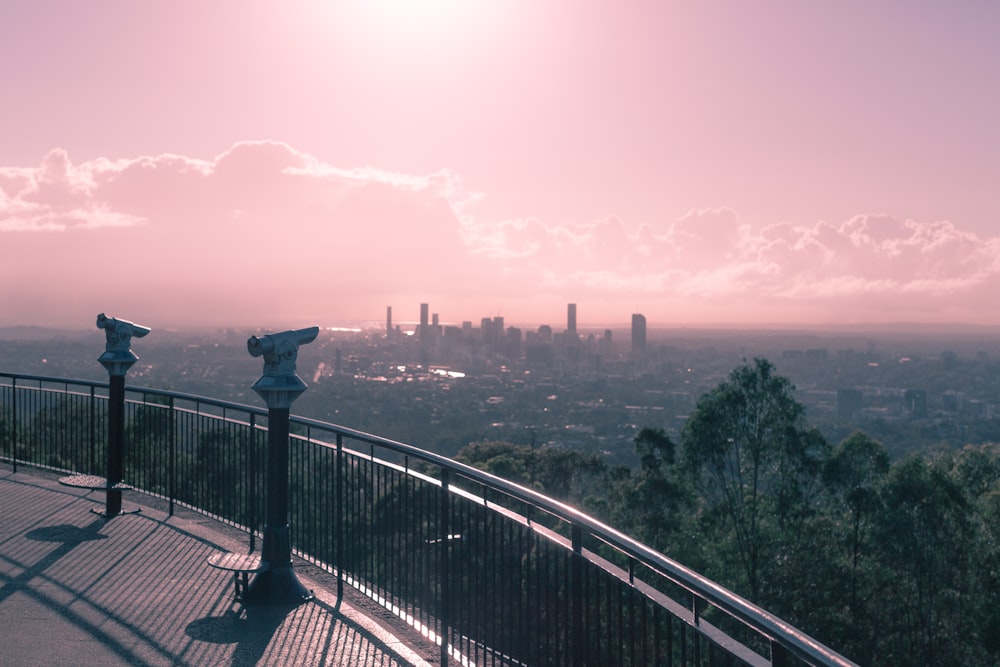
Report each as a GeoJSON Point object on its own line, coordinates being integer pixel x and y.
{"type": "Point", "coordinates": [252, 163]}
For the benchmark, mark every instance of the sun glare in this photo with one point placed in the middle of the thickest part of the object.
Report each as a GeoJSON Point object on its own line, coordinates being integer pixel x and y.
{"type": "Point", "coordinates": [419, 20]}
{"type": "Point", "coordinates": [431, 24]}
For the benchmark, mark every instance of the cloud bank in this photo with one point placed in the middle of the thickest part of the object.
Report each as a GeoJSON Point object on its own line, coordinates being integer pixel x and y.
{"type": "Point", "coordinates": [264, 233]}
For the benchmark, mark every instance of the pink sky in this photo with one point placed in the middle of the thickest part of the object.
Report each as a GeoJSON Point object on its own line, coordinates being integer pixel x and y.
{"type": "Point", "coordinates": [280, 164]}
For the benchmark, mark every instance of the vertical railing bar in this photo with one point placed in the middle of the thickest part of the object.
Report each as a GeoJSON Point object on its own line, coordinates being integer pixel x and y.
{"type": "Point", "coordinates": [252, 490]}
{"type": "Point", "coordinates": [339, 490]}
{"type": "Point", "coordinates": [172, 462]}
{"type": "Point", "coordinates": [576, 595]}
{"type": "Point", "coordinates": [370, 489]}
{"type": "Point", "coordinates": [443, 568]}
{"type": "Point", "coordinates": [13, 439]}
{"type": "Point", "coordinates": [247, 511]}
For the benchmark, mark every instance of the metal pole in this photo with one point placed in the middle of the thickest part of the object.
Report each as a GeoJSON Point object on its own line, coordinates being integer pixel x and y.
{"type": "Point", "coordinates": [278, 583]}
{"type": "Point", "coordinates": [341, 497]}
{"type": "Point", "coordinates": [13, 424]}
{"type": "Point", "coordinates": [93, 430]}
{"type": "Point", "coordinates": [444, 569]}
{"type": "Point", "coordinates": [117, 359]}
{"type": "Point", "coordinates": [576, 597]}
{"type": "Point", "coordinates": [251, 500]}
{"type": "Point", "coordinates": [172, 470]}
{"type": "Point", "coordinates": [116, 445]}
{"type": "Point", "coordinates": [279, 386]}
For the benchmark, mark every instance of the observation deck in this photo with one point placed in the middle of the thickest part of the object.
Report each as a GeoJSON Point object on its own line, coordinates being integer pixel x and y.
{"type": "Point", "coordinates": [77, 589]}
{"type": "Point", "coordinates": [413, 558]}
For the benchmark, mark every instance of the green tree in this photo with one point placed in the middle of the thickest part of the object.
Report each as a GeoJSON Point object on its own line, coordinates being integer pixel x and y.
{"type": "Point", "coordinates": [852, 475]}
{"type": "Point", "coordinates": [562, 473]}
{"type": "Point", "coordinates": [755, 462]}
{"type": "Point", "coordinates": [977, 470]}
{"type": "Point", "coordinates": [923, 536]}
{"type": "Point", "coordinates": [653, 503]}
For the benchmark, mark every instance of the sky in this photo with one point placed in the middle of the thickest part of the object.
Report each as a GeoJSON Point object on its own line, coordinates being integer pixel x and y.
{"type": "Point", "coordinates": [273, 165]}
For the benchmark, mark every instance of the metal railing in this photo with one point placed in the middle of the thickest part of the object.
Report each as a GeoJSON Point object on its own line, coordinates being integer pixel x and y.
{"type": "Point", "coordinates": [495, 573]}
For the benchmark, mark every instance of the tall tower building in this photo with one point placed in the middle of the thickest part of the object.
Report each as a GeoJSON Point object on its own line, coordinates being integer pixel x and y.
{"type": "Point", "coordinates": [571, 319]}
{"type": "Point", "coordinates": [638, 335]}
{"type": "Point", "coordinates": [388, 321]}
{"type": "Point", "coordinates": [424, 312]}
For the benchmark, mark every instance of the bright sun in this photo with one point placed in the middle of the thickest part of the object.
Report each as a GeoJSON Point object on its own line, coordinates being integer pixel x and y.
{"type": "Point", "coordinates": [418, 20]}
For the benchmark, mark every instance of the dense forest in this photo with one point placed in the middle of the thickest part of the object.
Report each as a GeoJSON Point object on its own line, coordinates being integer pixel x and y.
{"type": "Point", "coordinates": [893, 562]}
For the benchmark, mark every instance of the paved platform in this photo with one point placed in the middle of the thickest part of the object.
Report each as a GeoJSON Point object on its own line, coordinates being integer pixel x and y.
{"type": "Point", "coordinates": [78, 589]}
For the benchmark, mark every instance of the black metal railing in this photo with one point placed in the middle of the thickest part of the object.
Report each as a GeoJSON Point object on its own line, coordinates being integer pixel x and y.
{"type": "Point", "coordinates": [496, 573]}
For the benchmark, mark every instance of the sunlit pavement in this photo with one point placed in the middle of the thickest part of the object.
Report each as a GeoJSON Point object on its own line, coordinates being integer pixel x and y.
{"type": "Point", "coordinates": [78, 589]}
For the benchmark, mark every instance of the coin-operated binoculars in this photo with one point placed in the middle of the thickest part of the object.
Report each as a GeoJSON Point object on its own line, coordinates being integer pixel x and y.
{"type": "Point", "coordinates": [117, 359]}
{"type": "Point", "coordinates": [279, 386]}
{"type": "Point", "coordinates": [118, 356]}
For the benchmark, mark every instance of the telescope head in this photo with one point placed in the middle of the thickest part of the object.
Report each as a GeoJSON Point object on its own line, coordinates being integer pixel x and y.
{"type": "Point", "coordinates": [118, 334]}
{"type": "Point", "coordinates": [280, 349]}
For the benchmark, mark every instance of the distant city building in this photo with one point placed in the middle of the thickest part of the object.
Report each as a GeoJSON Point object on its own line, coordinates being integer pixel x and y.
{"type": "Point", "coordinates": [424, 311]}
{"type": "Point", "coordinates": [638, 334]}
{"type": "Point", "coordinates": [915, 401]}
{"type": "Point", "coordinates": [571, 319]}
{"type": "Point", "coordinates": [817, 355]}
{"type": "Point", "coordinates": [486, 334]}
{"type": "Point", "coordinates": [606, 347]}
{"type": "Point", "coordinates": [388, 321]}
{"type": "Point", "coordinates": [849, 403]}
{"type": "Point", "coordinates": [513, 343]}
{"type": "Point", "coordinates": [952, 401]}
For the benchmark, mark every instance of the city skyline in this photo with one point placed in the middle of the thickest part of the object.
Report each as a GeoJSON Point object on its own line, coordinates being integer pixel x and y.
{"type": "Point", "coordinates": [246, 164]}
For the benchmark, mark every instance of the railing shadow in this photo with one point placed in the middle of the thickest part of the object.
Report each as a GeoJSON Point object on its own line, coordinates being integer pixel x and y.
{"type": "Point", "coordinates": [130, 586]}
{"type": "Point", "coordinates": [68, 537]}
{"type": "Point", "coordinates": [257, 632]}
{"type": "Point", "coordinates": [251, 628]}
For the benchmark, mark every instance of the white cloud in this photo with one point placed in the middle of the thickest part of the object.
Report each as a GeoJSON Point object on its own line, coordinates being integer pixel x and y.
{"type": "Point", "coordinates": [273, 224]}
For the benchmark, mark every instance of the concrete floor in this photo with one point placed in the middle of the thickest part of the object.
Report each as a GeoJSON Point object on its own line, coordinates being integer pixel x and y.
{"type": "Point", "coordinates": [77, 589]}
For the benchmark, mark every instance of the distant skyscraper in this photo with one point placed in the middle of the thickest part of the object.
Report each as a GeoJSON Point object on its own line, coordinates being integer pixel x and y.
{"type": "Point", "coordinates": [424, 311]}
{"type": "Point", "coordinates": [388, 321]}
{"type": "Point", "coordinates": [638, 334]}
{"type": "Point", "coordinates": [571, 319]}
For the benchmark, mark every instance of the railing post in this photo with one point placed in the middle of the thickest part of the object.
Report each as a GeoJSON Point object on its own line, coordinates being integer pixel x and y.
{"type": "Point", "coordinates": [339, 518]}
{"type": "Point", "coordinates": [13, 421]}
{"type": "Point", "coordinates": [576, 597]}
{"type": "Point", "coordinates": [93, 430]}
{"type": "Point", "coordinates": [444, 572]}
{"type": "Point", "coordinates": [172, 464]}
{"type": "Point", "coordinates": [779, 655]}
{"type": "Point", "coordinates": [252, 473]}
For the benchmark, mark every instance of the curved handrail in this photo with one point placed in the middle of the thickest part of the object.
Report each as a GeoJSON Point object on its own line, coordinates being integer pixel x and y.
{"type": "Point", "coordinates": [800, 644]}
